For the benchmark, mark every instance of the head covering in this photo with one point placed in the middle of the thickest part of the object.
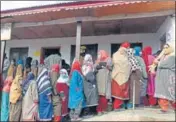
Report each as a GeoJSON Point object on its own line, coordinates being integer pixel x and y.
{"type": "Point", "coordinates": [88, 64]}
{"type": "Point", "coordinates": [172, 46]}
{"type": "Point", "coordinates": [52, 59]}
{"type": "Point", "coordinates": [137, 51]}
{"type": "Point", "coordinates": [64, 78]}
{"type": "Point", "coordinates": [43, 82]}
{"type": "Point", "coordinates": [125, 45]}
{"type": "Point", "coordinates": [10, 71]}
{"type": "Point", "coordinates": [134, 63]}
{"type": "Point", "coordinates": [103, 56]}
{"type": "Point", "coordinates": [76, 66]}
{"type": "Point", "coordinates": [27, 81]}
{"type": "Point", "coordinates": [145, 53]}
{"type": "Point", "coordinates": [34, 63]}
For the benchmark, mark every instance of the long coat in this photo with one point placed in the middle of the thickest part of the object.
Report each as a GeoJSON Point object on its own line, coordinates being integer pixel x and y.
{"type": "Point", "coordinates": [90, 89]}
{"type": "Point", "coordinates": [165, 79]}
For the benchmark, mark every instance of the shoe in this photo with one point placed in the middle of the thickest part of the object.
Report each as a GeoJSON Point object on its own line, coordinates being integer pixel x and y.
{"type": "Point", "coordinates": [129, 105]}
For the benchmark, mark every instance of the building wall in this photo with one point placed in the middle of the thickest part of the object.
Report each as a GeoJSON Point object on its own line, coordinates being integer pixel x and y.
{"type": "Point", "coordinates": [167, 26]}
{"type": "Point", "coordinates": [104, 42]}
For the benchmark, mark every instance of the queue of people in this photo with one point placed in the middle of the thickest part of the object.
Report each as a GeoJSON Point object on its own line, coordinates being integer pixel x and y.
{"type": "Point", "coordinates": [46, 92]}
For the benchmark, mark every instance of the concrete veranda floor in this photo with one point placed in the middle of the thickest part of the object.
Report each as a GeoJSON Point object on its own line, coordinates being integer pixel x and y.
{"type": "Point", "coordinates": [139, 114]}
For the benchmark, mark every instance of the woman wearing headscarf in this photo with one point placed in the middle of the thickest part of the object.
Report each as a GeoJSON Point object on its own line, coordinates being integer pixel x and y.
{"type": "Point", "coordinates": [135, 78]}
{"type": "Point", "coordinates": [148, 59]}
{"type": "Point", "coordinates": [165, 77]}
{"type": "Point", "coordinates": [103, 68]}
{"type": "Point", "coordinates": [63, 89]}
{"type": "Point", "coordinates": [45, 93]}
{"type": "Point", "coordinates": [55, 69]}
{"type": "Point", "coordinates": [34, 68]}
{"type": "Point", "coordinates": [30, 99]}
{"type": "Point", "coordinates": [76, 93]}
{"type": "Point", "coordinates": [143, 91]}
{"type": "Point", "coordinates": [16, 94]}
{"type": "Point", "coordinates": [90, 84]}
{"type": "Point", "coordinates": [5, 94]}
{"type": "Point", "coordinates": [120, 76]}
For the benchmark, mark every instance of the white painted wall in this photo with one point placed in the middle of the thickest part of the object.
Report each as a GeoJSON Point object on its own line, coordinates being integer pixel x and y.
{"type": "Point", "coordinates": [104, 42]}
{"type": "Point", "coordinates": [167, 27]}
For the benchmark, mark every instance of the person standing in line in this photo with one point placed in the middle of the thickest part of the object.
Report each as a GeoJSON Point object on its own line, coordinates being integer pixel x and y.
{"type": "Point", "coordinates": [62, 88]}
{"type": "Point", "coordinates": [76, 93]}
{"type": "Point", "coordinates": [165, 77]}
{"type": "Point", "coordinates": [5, 94]}
{"type": "Point", "coordinates": [6, 65]}
{"type": "Point", "coordinates": [143, 91]}
{"type": "Point", "coordinates": [135, 79]}
{"type": "Point", "coordinates": [148, 59]}
{"type": "Point", "coordinates": [30, 99]}
{"type": "Point", "coordinates": [90, 84]}
{"type": "Point", "coordinates": [56, 100]}
{"type": "Point", "coordinates": [103, 69]}
{"type": "Point", "coordinates": [120, 76]}
{"type": "Point", "coordinates": [44, 93]}
{"type": "Point", "coordinates": [16, 94]}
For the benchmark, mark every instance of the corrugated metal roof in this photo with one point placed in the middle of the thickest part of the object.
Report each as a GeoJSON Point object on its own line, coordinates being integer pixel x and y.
{"type": "Point", "coordinates": [78, 5]}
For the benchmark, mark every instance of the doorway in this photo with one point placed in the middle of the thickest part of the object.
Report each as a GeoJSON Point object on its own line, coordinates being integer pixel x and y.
{"type": "Point", "coordinates": [47, 51]}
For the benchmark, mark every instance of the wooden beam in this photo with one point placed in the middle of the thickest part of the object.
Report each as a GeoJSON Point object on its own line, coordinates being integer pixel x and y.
{"type": "Point", "coordinates": [88, 18]}
{"type": "Point", "coordinates": [78, 39]}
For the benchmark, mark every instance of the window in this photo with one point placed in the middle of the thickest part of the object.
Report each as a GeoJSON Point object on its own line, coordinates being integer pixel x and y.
{"type": "Point", "coordinates": [115, 47]}
{"type": "Point", "coordinates": [18, 53]}
{"type": "Point", "coordinates": [90, 49]}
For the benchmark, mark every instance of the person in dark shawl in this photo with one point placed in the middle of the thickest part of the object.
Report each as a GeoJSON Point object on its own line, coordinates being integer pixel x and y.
{"type": "Point", "coordinates": [90, 84]}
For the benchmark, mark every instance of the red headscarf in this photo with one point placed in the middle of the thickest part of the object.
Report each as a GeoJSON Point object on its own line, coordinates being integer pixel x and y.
{"type": "Point", "coordinates": [125, 45]}
{"type": "Point", "coordinates": [145, 53]}
{"type": "Point", "coordinates": [55, 68]}
{"type": "Point", "coordinates": [103, 56]}
{"type": "Point", "coordinates": [76, 66]}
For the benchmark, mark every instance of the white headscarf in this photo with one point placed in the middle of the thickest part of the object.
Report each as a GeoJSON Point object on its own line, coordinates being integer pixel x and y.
{"type": "Point", "coordinates": [87, 64]}
{"type": "Point", "coordinates": [63, 78]}
{"type": "Point", "coordinates": [172, 44]}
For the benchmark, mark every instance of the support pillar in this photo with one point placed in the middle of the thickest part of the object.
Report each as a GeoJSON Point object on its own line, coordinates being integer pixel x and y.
{"type": "Point", "coordinates": [78, 39]}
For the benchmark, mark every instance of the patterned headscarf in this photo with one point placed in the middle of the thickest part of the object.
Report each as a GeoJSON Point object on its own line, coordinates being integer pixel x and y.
{"type": "Point", "coordinates": [132, 59]}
